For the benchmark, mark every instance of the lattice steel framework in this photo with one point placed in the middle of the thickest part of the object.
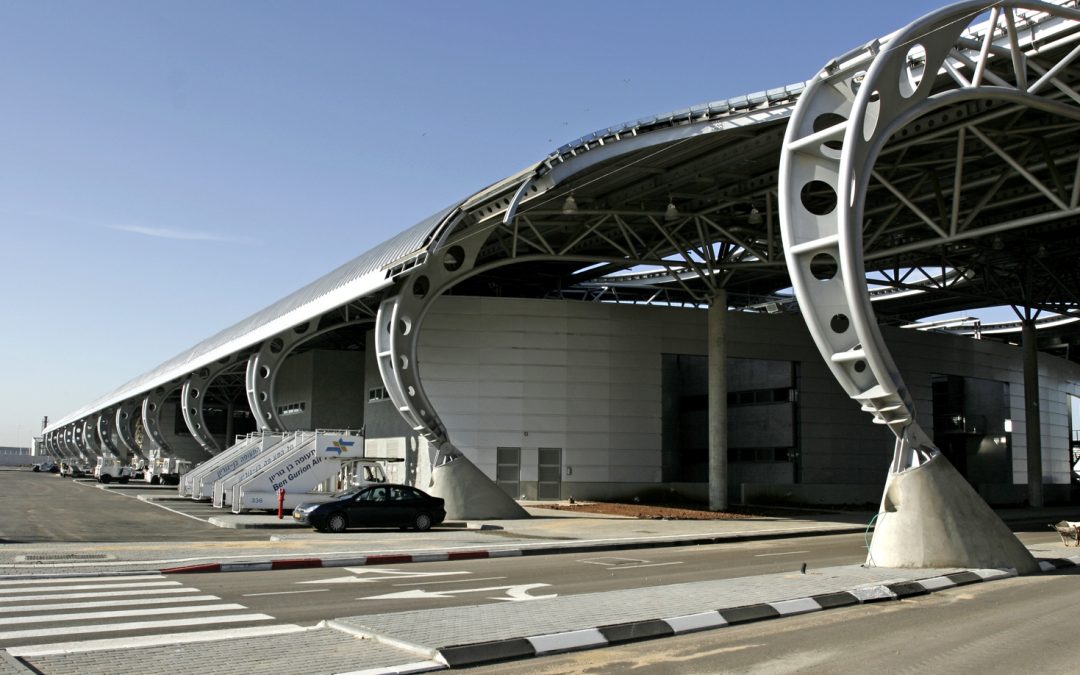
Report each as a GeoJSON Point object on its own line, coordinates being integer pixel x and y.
{"type": "Point", "coordinates": [972, 94]}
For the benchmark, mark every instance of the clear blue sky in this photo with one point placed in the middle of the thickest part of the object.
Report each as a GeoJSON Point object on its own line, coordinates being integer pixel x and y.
{"type": "Point", "coordinates": [167, 168]}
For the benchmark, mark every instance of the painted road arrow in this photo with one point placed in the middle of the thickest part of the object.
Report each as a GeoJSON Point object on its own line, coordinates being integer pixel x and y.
{"type": "Point", "coordinates": [515, 593]}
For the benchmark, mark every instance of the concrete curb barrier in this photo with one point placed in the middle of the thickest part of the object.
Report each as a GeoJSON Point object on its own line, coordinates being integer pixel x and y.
{"type": "Point", "coordinates": [457, 656]}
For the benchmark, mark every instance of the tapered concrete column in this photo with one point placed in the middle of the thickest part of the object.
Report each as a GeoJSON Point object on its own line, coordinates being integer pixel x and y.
{"type": "Point", "coordinates": [718, 418]}
{"type": "Point", "coordinates": [1031, 414]}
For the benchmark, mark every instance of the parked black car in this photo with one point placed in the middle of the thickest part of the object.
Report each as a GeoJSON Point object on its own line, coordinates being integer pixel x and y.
{"type": "Point", "coordinates": [386, 505]}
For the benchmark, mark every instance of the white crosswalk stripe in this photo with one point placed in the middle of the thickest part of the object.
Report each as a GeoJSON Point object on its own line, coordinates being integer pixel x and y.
{"type": "Point", "coordinates": [66, 580]}
{"type": "Point", "coordinates": [134, 606]}
{"type": "Point", "coordinates": [106, 603]}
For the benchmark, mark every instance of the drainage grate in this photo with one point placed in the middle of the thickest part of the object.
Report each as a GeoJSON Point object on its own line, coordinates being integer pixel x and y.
{"type": "Point", "coordinates": [62, 557]}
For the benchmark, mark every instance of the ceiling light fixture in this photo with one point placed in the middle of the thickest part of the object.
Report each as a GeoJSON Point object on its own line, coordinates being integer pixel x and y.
{"type": "Point", "coordinates": [570, 205]}
{"type": "Point", "coordinates": [755, 216]}
{"type": "Point", "coordinates": [672, 212]}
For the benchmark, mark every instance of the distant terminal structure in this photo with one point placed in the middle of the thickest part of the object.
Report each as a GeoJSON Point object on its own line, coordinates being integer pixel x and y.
{"type": "Point", "coordinates": [14, 456]}
{"type": "Point", "coordinates": [620, 318]}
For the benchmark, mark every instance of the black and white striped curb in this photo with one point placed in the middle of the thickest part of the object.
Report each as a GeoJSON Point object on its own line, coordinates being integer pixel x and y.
{"type": "Point", "coordinates": [458, 656]}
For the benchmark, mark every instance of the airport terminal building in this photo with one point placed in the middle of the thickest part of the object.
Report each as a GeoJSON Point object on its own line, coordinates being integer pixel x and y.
{"type": "Point", "coordinates": [619, 318]}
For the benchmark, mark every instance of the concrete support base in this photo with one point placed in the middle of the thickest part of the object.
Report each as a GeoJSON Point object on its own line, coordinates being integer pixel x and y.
{"type": "Point", "coordinates": [471, 495]}
{"type": "Point", "coordinates": [931, 517]}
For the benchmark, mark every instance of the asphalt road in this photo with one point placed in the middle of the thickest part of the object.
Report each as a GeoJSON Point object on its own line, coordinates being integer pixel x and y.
{"type": "Point", "coordinates": [308, 596]}
{"type": "Point", "coordinates": [44, 507]}
{"type": "Point", "coordinates": [1021, 625]}
{"type": "Point", "coordinates": [39, 611]}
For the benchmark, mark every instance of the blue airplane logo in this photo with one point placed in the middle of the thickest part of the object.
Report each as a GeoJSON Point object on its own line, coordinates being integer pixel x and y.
{"type": "Point", "coordinates": [341, 445]}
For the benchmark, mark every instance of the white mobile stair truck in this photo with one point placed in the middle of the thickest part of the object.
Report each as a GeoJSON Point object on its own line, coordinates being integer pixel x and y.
{"type": "Point", "coordinates": [199, 482]}
{"type": "Point", "coordinates": [190, 481]}
{"type": "Point", "coordinates": [315, 462]}
{"type": "Point", "coordinates": [290, 443]}
{"type": "Point", "coordinates": [109, 469]}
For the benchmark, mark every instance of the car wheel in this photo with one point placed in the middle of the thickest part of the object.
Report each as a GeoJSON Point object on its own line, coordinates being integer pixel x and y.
{"type": "Point", "coordinates": [422, 522]}
{"type": "Point", "coordinates": [154, 480]}
{"type": "Point", "coordinates": [105, 478]}
{"type": "Point", "coordinates": [37, 469]}
{"type": "Point", "coordinates": [337, 522]}
{"type": "Point", "coordinates": [124, 479]}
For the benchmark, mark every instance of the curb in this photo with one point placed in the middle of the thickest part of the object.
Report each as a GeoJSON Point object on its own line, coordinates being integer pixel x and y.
{"type": "Point", "coordinates": [294, 563]}
{"type": "Point", "coordinates": [457, 656]}
{"type": "Point", "coordinates": [299, 563]}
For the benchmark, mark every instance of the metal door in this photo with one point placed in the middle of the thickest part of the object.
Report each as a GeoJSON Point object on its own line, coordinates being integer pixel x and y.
{"type": "Point", "coordinates": [508, 470]}
{"type": "Point", "coordinates": [550, 474]}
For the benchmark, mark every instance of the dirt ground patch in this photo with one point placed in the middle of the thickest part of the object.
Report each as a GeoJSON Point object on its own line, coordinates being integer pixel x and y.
{"type": "Point", "coordinates": [653, 512]}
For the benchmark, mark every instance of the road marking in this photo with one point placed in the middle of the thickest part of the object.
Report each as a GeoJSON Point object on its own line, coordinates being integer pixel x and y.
{"type": "Point", "coordinates": [159, 505]}
{"type": "Point", "coordinates": [452, 581]}
{"type": "Point", "coordinates": [112, 594]}
{"type": "Point", "coordinates": [91, 587]}
{"type": "Point", "coordinates": [64, 580]}
{"type": "Point", "coordinates": [165, 639]}
{"type": "Point", "coordinates": [611, 562]}
{"type": "Point", "coordinates": [313, 590]}
{"type": "Point", "coordinates": [767, 555]}
{"type": "Point", "coordinates": [109, 603]}
{"type": "Point", "coordinates": [120, 613]}
{"type": "Point", "coordinates": [102, 644]}
{"type": "Point", "coordinates": [634, 567]}
{"type": "Point", "coordinates": [373, 574]}
{"type": "Point", "coordinates": [515, 593]}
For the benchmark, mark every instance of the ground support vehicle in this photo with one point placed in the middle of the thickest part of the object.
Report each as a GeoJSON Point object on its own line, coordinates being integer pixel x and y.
{"type": "Point", "coordinates": [109, 469]}
{"type": "Point", "coordinates": [73, 470]}
{"type": "Point", "coordinates": [166, 471]}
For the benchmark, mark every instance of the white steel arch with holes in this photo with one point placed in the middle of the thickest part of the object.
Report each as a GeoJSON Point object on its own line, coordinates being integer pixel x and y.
{"type": "Point", "coordinates": [838, 128]}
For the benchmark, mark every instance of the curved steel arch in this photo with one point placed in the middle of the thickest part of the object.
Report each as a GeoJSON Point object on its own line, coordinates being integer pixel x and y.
{"type": "Point", "coordinates": [264, 364]}
{"type": "Point", "coordinates": [193, 393]}
{"type": "Point", "coordinates": [88, 429]}
{"type": "Point", "coordinates": [105, 421]}
{"type": "Point", "coordinates": [453, 257]}
{"type": "Point", "coordinates": [836, 132]}
{"type": "Point", "coordinates": [151, 413]}
{"type": "Point", "coordinates": [126, 414]}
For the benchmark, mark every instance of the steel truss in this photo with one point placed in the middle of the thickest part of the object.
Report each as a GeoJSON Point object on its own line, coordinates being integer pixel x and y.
{"type": "Point", "coordinates": [852, 196]}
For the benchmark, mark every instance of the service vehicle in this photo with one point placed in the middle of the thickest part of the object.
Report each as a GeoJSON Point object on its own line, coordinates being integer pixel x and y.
{"type": "Point", "coordinates": [73, 470]}
{"type": "Point", "coordinates": [166, 471]}
{"type": "Point", "coordinates": [109, 469]}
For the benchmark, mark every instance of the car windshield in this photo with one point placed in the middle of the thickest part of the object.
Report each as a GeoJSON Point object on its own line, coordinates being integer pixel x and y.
{"type": "Point", "coordinates": [346, 494]}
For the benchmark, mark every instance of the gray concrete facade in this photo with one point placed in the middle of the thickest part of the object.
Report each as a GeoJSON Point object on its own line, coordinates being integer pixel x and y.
{"type": "Point", "coordinates": [587, 378]}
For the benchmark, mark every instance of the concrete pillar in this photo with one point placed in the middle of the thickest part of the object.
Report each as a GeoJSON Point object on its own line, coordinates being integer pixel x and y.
{"type": "Point", "coordinates": [718, 418]}
{"type": "Point", "coordinates": [229, 429]}
{"type": "Point", "coordinates": [1031, 415]}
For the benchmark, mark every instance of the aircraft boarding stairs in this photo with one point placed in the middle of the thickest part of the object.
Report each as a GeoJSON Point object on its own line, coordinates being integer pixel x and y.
{"type": "Point", "coordinates": [199, 482]}
{"type": "Point", "coordinates": [306, 469]}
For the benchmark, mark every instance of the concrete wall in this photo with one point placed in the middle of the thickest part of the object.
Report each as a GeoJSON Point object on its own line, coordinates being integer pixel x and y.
{"type": "Point", "coordinates": [338, 394]}
{"type": "Point", "coordinates": [386, 434]}
{"type": "Point", "coordinates": [321, 389]}
{"type": "Point", "coordinates": [586, 378]}
{"type": "Point", "coordinates": [919, 355]}
{"type": "Point", "coordinates": [292, 388]}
